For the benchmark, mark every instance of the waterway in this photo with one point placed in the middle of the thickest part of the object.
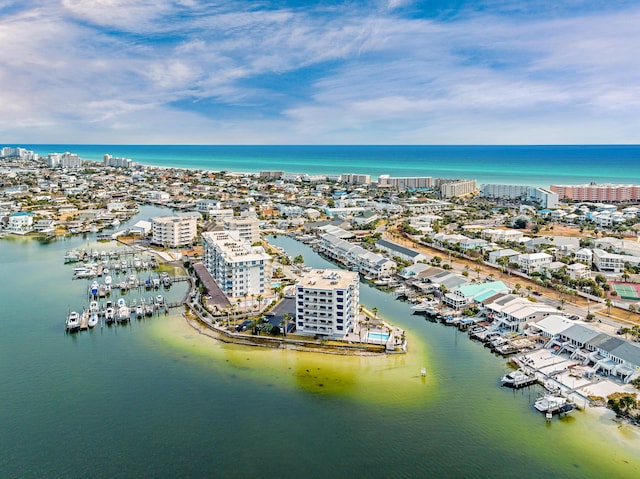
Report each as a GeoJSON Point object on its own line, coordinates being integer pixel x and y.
{"type": "Point", "coordinates": [156, 399]}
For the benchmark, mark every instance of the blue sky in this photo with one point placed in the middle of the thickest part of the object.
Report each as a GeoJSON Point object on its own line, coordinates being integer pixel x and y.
{"type": "Point", "coordinates": [323, 72]}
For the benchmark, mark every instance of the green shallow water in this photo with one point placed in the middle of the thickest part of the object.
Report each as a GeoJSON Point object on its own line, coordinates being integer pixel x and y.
{"type": "Point", "coordinates": [159, 399]}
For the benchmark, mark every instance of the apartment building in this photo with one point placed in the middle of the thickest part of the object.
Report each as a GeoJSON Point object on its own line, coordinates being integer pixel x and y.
{"type": "Point", "coordinates": [238, 268]}
{"type": "Point", "coordinates": [248, 227]}
{"type": "Point", "coordinates": [327, 303]}
{"type": "Point", "coordinates": [594, 192]}
{"type": "Point", "coordinates": [173, 231]}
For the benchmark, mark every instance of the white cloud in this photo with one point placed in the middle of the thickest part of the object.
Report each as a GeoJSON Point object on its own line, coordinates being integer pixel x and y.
{"type": "Point", "coordinates": [112, 67]}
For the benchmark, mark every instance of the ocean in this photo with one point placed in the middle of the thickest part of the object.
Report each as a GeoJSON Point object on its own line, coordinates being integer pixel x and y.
{"type": "Point", "coordinates": [158, 399]}
{"type": "Point", "coordinates": [518, 165]}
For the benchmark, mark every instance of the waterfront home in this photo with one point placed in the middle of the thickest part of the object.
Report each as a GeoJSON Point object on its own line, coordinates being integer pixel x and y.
{"type": "Point", "coordinates": [463, 295]}
{"type": "Point", "coordinates": [612, 355]}
{"type": "Point", "coordinates": [513, 312]}
{"type": "Point", "coordinates": [20, 223]}
{"type": "Point", "coordinates": [413, 270]}
{"type": "Point", "coordinates": [402, 252]}
{"type": "Point", "coordinates": [355, 257]}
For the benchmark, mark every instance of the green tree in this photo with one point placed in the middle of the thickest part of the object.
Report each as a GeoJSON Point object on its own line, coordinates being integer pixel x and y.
{"type": "Point", "coordinates": [609, 303]}
{"type": "Point", "coordinates": [285, 320]}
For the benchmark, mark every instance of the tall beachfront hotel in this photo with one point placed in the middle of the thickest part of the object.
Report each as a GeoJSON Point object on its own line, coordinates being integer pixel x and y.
{"type": "Point", "coordinates": [327, 303]}
{"type": "Point", "coordinates": [238, 268]}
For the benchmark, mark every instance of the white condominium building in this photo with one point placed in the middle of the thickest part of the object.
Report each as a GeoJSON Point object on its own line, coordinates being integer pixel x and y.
{"type": "Point", "coordinates": [458, 188]}
{"type": "Point", "coordinates": [404, 183]}
{"type": "Point", "coordinates": [248, 227]}
{"type": "Point", "coordinates": [173, 231]}
{"type": "Point", "coordinates": [236, 266]}
{"type": "Point", "coordinates": [327, 303]}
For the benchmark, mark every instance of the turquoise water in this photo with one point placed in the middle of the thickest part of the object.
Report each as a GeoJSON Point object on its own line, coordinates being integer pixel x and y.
{"type": "Point", "coordinates": [158, 399]}
{"type": "Point", "coordinates": [523, 165]}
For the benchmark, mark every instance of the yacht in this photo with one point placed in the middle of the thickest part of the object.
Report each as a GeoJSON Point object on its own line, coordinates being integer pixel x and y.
{"type": "Point", "coordinates": [93, 307]}
{"type": "Point", "coordinates": [424, 305]}
{"type": "Point", "coordinates": [517, 379]}
{"type": "Point", "coordinates": [124, 314]}
{"type": "Point", "coordinates": [109, 315]}
{"type": "Point", "coordinates": [552, 404]}
{"type": "Point", "coordinates": [93, 320]}
{"type": "Point", "coordinates": [72, 323]}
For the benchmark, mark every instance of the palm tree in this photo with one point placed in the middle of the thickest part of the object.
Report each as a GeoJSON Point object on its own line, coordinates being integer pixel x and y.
{"type": "Point", "coordinates": [285, 320]}
{"type": "Point", "coordinates": [609, 303]}
{"type": "Point", "coordinates": [259, 300]}
{"type": "Point", "coordinates": [374, 310]}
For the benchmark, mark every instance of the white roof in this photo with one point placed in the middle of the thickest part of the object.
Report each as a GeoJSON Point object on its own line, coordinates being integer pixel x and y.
{"type": "Point", "coordinates": [554, 324]}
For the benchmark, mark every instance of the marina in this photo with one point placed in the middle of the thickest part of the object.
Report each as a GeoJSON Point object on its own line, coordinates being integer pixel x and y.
{"type": "Point", "coordinates": [116, 293]}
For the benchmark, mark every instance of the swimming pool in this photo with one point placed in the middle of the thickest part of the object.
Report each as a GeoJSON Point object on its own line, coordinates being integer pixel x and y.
{"type": "Point", "coordinates": [381, 337]}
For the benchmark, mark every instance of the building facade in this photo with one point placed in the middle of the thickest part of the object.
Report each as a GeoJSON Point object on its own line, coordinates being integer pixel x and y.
{"type": "Point", "coordinates": [248, 227]}
{"type": "Point", "coordinates": [327, 303]}
{"type": "Point", "coordinates": [607, 193]}
{"type": "Point", "coordinates": [173, 231]}
{"type": "Point", "coordinates": [238, 268]}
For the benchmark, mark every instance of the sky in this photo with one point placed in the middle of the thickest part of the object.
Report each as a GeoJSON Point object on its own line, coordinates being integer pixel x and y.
{"type": "Point", "coordinates": [434, 72]}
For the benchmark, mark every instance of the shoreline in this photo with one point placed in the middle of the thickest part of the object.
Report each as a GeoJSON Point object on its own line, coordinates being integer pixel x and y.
{"type": "Point", "coordinates": [206, 328]}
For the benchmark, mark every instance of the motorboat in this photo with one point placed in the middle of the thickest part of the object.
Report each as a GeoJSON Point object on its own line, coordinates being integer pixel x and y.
{"type": "Point", "coordinates": [72, 323]}
{"type": "Point", "coordinates": [94, 288]}
{"type": "Point", "coordinates": [93, 320]}
{"type": "Point", "coordinates": [424, 305]}
{"type": "Point", "coordinates": [94, 307]}
{"type": "Point", "coordinates": [159, 299]}
{"type": "Point", "coordinates": [109, 315]}
{"type": "Point", "coordinates": [517, 379]}
{"type": "Point", "coordinates": [124, 314]}
{"type": "Point", "coordinates": [552, 404]}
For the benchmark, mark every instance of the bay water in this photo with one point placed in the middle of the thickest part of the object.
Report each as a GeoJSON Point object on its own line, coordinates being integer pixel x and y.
{"type": "Point", "coordinates": [158, 399]}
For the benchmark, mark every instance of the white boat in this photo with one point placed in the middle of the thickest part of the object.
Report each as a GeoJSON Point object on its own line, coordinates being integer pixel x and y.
{"type": "Point", "coordinates": [550, 403]}
{"type": "Point", "coordinates": [94, 307]}
{"type": "Point", "coordinates": [159, 299]}
{"type": "Point", "coordinates": [109, 315]}
{"type": "Point", "coordinates": [73, 322]}
{"type": "Point", "coordinates": [517, 379]}
{"type": "Point", "coordinates": [93, 320]}
{"type": "Point", "coordinates": [108, 280]}
{"type": "Point", "coordinates": [94, 288]}
{"type": "Point", "coordinates": [121, 302]}
{"type": "Point", "coordinates": [424, 305]}
{"type": "Point", "coordinates": [139, 311]}
{"type": "Point", "coordinates": [124, 314]}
